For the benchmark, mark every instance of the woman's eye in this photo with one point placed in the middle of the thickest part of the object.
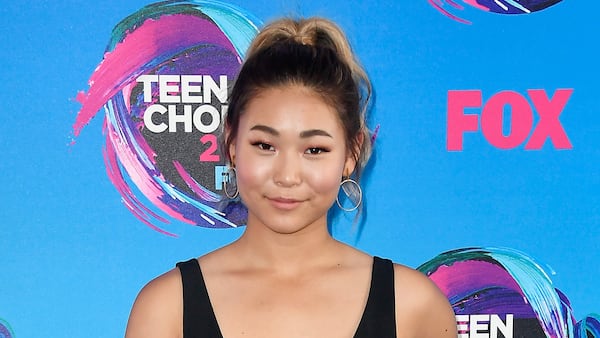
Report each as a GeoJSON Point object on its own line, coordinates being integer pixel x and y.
{"type": "Point", "coordinates": [315, 151]}
{"type": "Point", "coordinates": [263, 146]}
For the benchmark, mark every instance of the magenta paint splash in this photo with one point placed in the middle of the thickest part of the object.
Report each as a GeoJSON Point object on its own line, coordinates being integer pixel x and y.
{"type": "Point", "coordinates": [164, 82]}
{"type": "Point", "coordinates": [5, 329]}
{"type": "Point", "coordinates": [448, 7]}
{"type": "Point", "coordinates": [503, 292]}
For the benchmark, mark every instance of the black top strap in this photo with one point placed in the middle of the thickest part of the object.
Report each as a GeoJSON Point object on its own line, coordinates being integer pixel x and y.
{"type": "Point", "coordinates": [198, 316]}
{"type": "Point", "coordinates": [379, 318]}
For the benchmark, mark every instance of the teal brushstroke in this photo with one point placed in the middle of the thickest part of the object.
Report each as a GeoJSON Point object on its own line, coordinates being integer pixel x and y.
{"type": "Point", "coordinates": [538, 289]}
{"type": "Point", "coordinates": [588, 327]}
{"type": "Point", "coordinates": [536, 285]}
{"type": "Point", "coordinates": [5, 328]}
{"type": "Point", "coordinates": [238, 25]}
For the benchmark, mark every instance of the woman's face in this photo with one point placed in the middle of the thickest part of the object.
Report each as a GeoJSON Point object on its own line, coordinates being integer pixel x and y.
{"type": "Point", "coordinates": [290, 155]}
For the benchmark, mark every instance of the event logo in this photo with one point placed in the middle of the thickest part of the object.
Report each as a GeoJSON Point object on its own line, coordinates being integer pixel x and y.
{"type": "Point", "coordinates": [5, 330]}
{"type": "Point", "coordinates": [164, 83]}
{"type": "Point", "coordinates": [504, 293]}
{"type": "Point", "coordinates": [485, 326]}
{"type": "Point", "coordinates": [446, 7]}
{"type": "Point", "coordinates": [494, 115]}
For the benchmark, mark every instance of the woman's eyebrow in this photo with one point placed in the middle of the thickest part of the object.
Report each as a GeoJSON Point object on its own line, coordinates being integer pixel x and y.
{"type": "Point", "coordinates": [314, 132]}
{"type": "Point", "coordinates": [265, 129]}
{"type": "Point", "coordinates": [304, 134]}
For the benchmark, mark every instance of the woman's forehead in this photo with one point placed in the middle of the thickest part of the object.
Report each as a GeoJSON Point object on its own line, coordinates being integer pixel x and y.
{"type": "Point", "coordinates": [289, 107]}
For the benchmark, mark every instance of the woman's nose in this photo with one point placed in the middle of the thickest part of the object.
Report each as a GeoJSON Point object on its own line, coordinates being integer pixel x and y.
{"type": "Point", "coordinates": [287, 170]}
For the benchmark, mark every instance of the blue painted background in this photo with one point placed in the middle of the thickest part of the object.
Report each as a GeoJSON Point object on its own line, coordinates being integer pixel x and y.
{"type": "Point", "coordinates": [72, 258]}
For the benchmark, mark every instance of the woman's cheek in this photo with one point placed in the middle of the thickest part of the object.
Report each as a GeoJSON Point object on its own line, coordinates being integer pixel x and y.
{"type": "Point", "coordinates": [253, 173]}
{"type": "Point", "coordinates": [325, 180]}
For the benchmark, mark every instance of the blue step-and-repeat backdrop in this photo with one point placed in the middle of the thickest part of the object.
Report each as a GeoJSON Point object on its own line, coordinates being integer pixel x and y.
{"type": "Point", "coordinates": [485, 175]}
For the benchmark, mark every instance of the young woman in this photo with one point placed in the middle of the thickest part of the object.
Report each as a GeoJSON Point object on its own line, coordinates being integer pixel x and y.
{"type": "Point", "coordinates": [295, 135]}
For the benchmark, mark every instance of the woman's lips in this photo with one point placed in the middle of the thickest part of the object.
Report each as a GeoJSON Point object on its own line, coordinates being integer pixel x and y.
{"type": "Point", "coordinates": [284, 203]}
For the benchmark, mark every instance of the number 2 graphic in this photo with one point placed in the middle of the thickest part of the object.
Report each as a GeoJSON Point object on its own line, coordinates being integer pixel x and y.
{"type": "Point", "coordinates": [209, 155]}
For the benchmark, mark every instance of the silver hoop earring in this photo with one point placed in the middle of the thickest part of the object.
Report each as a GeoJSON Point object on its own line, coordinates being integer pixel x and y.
{"type": "Point", "coordinates": [353, 192]}
{"type": "Point", "coordinates": [230, 176]}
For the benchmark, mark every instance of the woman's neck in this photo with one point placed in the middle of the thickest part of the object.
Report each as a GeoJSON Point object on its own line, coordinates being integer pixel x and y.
{"type": "Point", "coordinates": [287, 252]}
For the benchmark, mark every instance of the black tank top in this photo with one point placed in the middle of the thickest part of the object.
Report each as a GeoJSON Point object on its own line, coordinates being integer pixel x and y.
{"type": "Point", "coordinates": [378, 319]}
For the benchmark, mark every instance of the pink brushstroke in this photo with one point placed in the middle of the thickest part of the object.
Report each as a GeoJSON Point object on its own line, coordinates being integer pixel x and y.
{"type": "Point", "coordinates": [474, 3]}
{"type": "Point", "coordinates": [125, 63]}
{"type": "Point", "coordinates": [448, 14]}
{"type": "Point", "coordinates": [454, 4]}
{"type": "Point", "coordinates": [192, 184]}
{"type": "Point", "coordinates": [141, 178]}
{"type": "Point", "coordinates": [131, 202]}
{"type": "Point", "coordinates": [375, 134]}
{"type": "Point", "coordinates": [450, 279]}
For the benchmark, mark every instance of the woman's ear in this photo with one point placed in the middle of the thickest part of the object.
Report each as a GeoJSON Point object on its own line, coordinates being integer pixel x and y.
{"type": "Point", "coordinates": [349, 166]}
{"type": "Point", "coordinates": [230, 148]}
{"type": "Point", "coordinates": [232, 154]}
{"type": "Point", "coordinates": [353, 155]}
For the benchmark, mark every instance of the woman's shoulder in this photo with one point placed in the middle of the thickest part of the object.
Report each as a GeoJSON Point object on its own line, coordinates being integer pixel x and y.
{"type": "Point", "coordinates": [421, 305]}
{"type": "Point", "coordinates": [157, 310]}
{"type": "Point", "coordinates": [165, 285]}
{"type": "Point", "coordinates": [415, 289]}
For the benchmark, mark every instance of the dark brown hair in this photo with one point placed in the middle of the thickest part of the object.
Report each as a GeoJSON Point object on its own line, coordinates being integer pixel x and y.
{"type": "Point", "coordinates": [313, 53]}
